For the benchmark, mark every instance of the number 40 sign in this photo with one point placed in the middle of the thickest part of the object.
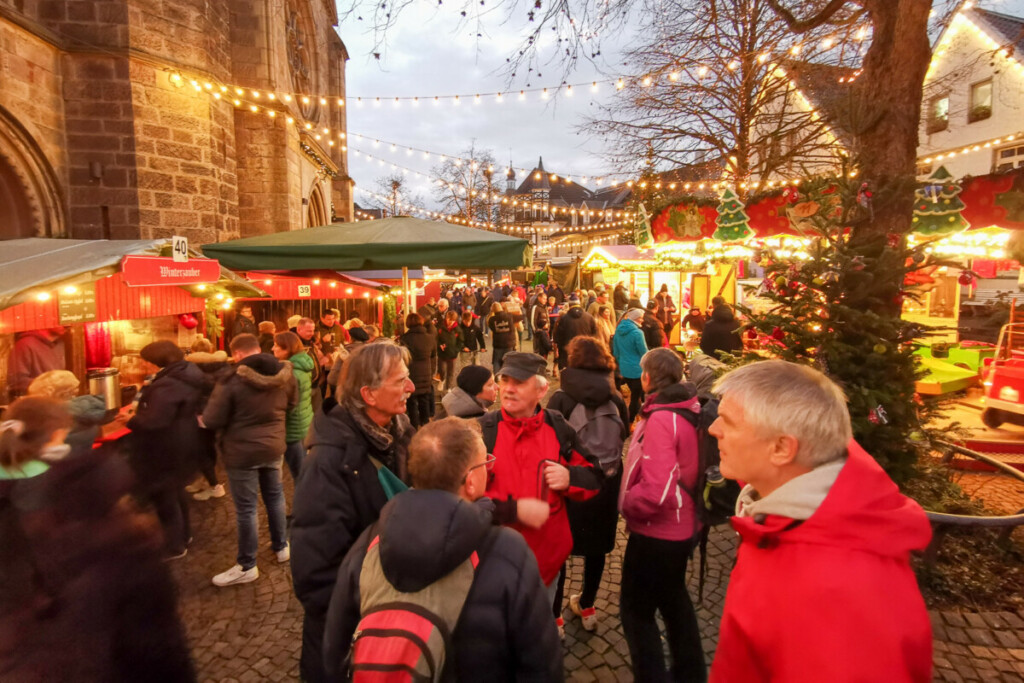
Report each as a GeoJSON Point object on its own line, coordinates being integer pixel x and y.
{"type": "Point", "coordinates": [179, 249]}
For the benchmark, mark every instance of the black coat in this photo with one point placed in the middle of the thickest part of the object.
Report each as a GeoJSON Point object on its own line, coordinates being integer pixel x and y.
{"type": "Point", "coordinates": [572, 324]}
{"type": "Point", "coordinates": [592, 521]}
{"type": "Point", "coordinates": [654, 333]}
{"type": "Point", "coordinates": [85, 595]}
{"type": "Point", "coordinates": [166, 439]}
{"type": "Point", "coordinates": [505, 631]}
{"type": "Point", "coordinates": [248, 411]}
{"type": "Point", "coordinates": [243, 325]}
{"type": "Point", "coordinates": [620, 298]}
{"type": "Point", "coordinates": [470, 337]}
{"type": "Point", "coordinates": [337, 496]}
{"type": "Point", "coordinates": [422, 345]}
{"type": "Point", "coordinates": [721, 333]}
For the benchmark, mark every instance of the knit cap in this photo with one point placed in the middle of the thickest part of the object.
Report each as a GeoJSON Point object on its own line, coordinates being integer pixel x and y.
{"type": "Point", "coordinates": [472, 379]}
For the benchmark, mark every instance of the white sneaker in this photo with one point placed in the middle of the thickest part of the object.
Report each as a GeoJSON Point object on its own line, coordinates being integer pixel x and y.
{"type": "Point", "coordinates": [197, 486]}
{"type": "Point", "coordinates": [284, 554]}
{"type": "Point", "coordinates": [236, 575]}
{"type": "Point", "coordinates": [587, 615]}
{"type": "Point", "coordinates": [212, 492]}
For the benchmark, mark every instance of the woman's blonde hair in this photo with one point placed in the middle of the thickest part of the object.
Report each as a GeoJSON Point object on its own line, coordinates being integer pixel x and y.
{"type": "Point", "coordinates": [59, 384]}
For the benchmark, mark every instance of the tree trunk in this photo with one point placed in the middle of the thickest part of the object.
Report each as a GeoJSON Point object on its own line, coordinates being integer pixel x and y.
{"type": "Point", "coordinates": [891, 86]}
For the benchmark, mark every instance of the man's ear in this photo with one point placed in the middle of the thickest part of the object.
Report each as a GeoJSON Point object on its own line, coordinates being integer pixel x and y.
{"type": "Point", "coordinates": [783, 450]}
{"type": "Point", "coordinates": [366, 393]}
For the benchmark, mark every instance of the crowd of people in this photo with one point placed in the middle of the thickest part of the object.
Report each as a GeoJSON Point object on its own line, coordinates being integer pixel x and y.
{"type": "Point", "coordinates": [435, 545]}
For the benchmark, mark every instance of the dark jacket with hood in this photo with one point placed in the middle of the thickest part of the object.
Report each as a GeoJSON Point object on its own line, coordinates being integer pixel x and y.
{"type": "Point", "coordinates": [33, 354]}
{"type": "Point", "coordinates": [84, 595]}
{"type": "Point", "coordinates": [572, 324]}
{"type": "Point", "coordinates": [248, 411]}
{"type": "Point", "coordinates": [505, 631]}
{"type": "Point", "coordinates": [654, 331]}
{"type": "Point", "coordinates": [592, 521]}
{"type": "Point", "coordinates": [337, 496]}
{"type": "Point", "coordinates": [422, 344]}
{"type": "Point", "coordinates": [721, 333]}
{"type": "Point", "coordinates": [620, 298]}
{"type": "Point", "coordinates": [449, 338]}
{"type": "Point", "coordinates": [165, 430]}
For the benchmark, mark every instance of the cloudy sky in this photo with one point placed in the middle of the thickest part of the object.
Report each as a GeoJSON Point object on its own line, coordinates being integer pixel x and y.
{"type": "Point", "coordinates": [429, 54]}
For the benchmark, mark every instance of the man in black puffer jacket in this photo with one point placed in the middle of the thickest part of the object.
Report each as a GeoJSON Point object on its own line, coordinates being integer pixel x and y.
{"type": "Point", "coordinates": [339, 492]}
{"type": "Point", "coordinates": [505, 631]}
{"type": "Point", "coordinates": [248, 412]}
{"type": "Point", "coordinates": [721, 333]}
{"type": "Point", "coordinates": [570, 325]}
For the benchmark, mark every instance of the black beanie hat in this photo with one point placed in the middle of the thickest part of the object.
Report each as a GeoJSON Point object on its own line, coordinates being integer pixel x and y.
{"type": "Point", "coordinates": [162, 353]}
{"type": "Point", "coordinates": [472, 379]}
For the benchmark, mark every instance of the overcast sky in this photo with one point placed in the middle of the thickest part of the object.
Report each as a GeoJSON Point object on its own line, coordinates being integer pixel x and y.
{"type": "Point", "coordinates": [427, 55]}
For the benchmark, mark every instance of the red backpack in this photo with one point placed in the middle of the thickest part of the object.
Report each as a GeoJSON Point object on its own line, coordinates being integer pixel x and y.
{"type": "Point", "coordinates": [406, 636]}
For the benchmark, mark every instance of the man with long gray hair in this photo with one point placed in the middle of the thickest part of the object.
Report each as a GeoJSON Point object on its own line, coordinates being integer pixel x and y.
{"type": "Point", "coordinates": [355, 449]}
{"type": "Point", "coordinates": [822, 589]}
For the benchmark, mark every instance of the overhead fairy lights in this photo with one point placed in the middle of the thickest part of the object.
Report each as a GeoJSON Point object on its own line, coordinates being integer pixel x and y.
{"type": "Point", "coordinates": [970, 149]}
{"type": "Point", "coordinates": [961, 23]}
{"type": "Point", "coordinates": [606, 218]}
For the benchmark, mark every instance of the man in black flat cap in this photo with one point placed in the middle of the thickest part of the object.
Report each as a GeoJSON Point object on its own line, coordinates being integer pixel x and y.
{"type": "Point", "coordinates": [537, 455]}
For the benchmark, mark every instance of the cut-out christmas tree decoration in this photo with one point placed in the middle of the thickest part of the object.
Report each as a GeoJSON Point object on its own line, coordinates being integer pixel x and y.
{"type": "Point", "coordinates": [733, 221]}
{"type": "Point", "coordinates": [937, 206]}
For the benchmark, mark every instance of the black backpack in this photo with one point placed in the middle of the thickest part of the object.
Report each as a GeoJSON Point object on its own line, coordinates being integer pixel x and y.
{"type": "Point", "coordinates": [714, 497]}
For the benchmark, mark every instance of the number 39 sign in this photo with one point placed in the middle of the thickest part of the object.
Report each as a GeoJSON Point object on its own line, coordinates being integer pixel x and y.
{"type": "Point", "coordinates": [305, 290]}
{"type": "Point", "coordinates": [179, 249]}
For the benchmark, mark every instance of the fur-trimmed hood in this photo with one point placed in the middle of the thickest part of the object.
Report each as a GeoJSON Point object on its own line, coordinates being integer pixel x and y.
{"type": "Point", "coordinates": [263, 372]}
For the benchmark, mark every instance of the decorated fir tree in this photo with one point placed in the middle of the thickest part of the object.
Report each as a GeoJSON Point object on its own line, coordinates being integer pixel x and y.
{"type": "Point", "coordinates": [937, 205]}
{"type": "Point", "coordinates": [831, 312]}
{"type": "Point", "coordinates": [732, 219]}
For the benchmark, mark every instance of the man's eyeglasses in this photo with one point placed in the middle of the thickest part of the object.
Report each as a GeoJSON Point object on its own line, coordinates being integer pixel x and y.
{"type": "Point", "coordinates": [488, 463]}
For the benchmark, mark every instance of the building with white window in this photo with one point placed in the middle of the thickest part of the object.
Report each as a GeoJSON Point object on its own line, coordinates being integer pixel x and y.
{"type": "Point", "coordinates": [973, 108]}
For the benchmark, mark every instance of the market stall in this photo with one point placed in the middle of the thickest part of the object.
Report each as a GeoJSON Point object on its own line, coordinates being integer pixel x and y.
{"type": "Point", "coordinates": [401, 242]}
{"type": "Point", "coordinates": [103, 300]}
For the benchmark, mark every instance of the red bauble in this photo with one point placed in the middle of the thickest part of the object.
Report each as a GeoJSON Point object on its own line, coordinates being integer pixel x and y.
{"type": "Point", "coordinates": [966, 278]}
{"type": "Point", "coordinates": [751, 333]}
{"type": "Point", "coordinates": [188, 321]}
{"type": "Point", "coordinates": [778, 334]}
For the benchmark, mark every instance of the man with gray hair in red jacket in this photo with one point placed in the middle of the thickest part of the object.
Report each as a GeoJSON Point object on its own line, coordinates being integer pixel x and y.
{"type": "Point", "coordinates": [822, 589]}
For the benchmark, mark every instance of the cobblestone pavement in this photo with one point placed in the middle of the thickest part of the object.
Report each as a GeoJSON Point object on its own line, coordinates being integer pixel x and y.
{"type": "Point", "coordinates": [253, 632]}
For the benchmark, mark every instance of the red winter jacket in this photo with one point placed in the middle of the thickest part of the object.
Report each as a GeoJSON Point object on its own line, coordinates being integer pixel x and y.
{"type": "Point", "coordinates": [833, 599]}
{"type": "Point", "coordinates": [519, 449]}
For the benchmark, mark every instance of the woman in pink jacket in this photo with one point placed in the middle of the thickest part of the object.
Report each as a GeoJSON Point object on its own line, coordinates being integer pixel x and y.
{"type": "Point", "coordinates": [662, 525]}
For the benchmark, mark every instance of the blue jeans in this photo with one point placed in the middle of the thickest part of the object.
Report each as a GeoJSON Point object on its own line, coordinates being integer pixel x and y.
{"type": "Point", "coordinates": [246, 485]}
{"type": "Point", "coordinates": [294, 454]}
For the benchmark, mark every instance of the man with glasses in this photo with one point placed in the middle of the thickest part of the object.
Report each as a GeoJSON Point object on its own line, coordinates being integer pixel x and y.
{"type": "Point", "coordinates": [422, 536]}
{"type": "Point", "coordinates": [537, 456]}
{"type": "Point", "coordinates": [340, 490]}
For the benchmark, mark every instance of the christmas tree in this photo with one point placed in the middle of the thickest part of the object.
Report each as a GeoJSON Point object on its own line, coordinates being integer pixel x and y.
{"type": "Point", "coordinates": [732, 219]}
{"type": "Point", "coordinates": [937, 205]}
{"type": "Point", "coordinates": [835, 312]}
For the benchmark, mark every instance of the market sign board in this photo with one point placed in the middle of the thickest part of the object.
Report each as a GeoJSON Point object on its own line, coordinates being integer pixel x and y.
{"type": "Point", "coordinates": [76, 304]}
{"type": "Point", "coordinates": [142, 271]}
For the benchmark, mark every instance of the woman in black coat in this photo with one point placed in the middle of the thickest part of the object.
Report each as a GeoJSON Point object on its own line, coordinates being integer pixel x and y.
{"type": "Point", "coordinates": [422, 344]}
{"type": "Point", "coordinates": [589, 379]}
{"type": "Point", "coordinates": [166, 437]}
{"type": "Point", "coordinates": [84, 595]}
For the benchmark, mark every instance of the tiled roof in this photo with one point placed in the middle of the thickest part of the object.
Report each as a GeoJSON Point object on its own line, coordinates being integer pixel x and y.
{"type": "Point", "coordinates": [1003, 28]}
{"type": "Point", "coordinates": [827, 87]}
{"type": "Point", "coordinates": [560, 190]}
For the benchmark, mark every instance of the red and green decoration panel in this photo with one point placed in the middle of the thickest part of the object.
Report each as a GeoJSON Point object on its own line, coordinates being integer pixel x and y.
{"type": "Point", "coordinates": [995, 200]}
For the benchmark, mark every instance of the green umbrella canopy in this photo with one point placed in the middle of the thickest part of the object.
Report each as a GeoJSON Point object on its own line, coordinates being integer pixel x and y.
{"type": "Point", "coordinates": [372, 245]}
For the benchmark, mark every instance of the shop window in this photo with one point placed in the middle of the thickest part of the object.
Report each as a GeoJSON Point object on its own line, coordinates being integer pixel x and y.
{"type": "Point", "coordinates": [1009, 158]}
{"type": "Point", "coordinates": [938, 114]}
{"type": "Point", "coordinates": [981, 101]}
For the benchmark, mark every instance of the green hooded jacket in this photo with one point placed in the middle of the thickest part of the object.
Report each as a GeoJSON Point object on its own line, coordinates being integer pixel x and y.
{"type": "Point", "coordinates": [300, 417]}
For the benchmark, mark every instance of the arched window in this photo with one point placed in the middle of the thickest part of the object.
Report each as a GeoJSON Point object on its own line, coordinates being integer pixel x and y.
{"type": "Point", "coordinates": [317, 212]}
{"type": "Point", "coordinates": [31, 204]}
